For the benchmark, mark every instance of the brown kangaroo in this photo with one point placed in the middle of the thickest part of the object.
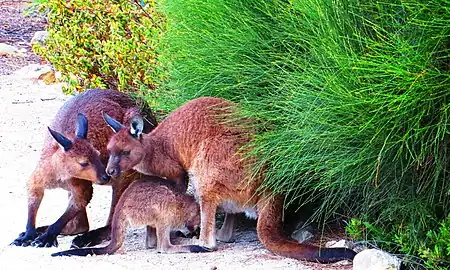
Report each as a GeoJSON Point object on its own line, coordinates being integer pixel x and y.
{"type": "Point", "coordinates": [67, 161]}
{"type": "Point", "coordinates": [159, 205]}
{"type": "Point", "coordinates": [199, 138]}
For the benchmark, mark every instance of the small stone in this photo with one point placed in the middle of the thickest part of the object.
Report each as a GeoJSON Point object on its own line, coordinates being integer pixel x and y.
{"type": "Point", "coordinates": [33, 71]}
{"type": "Point", "coordinates": [302, 232]}
{"type": "Point", "coordinates": [39, 37]}
{"type": "Point", "coordinates": [9, 50]}
{"type": "Point", "coordinates": [58, 76]}
{"type": "Point", "coordinates": [48, 77]}
{"type": "Point", "coordinates": [302, 235]}
{"type": "Point", "coordinates": [374, 259]}
{"type": "Point", "coordinates": [340, 244]}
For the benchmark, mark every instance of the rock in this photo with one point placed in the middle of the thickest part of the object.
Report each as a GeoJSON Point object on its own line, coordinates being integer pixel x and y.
{"type": "Point", "coordinates": [374, 259]}
{"type": "Point", "coordinates": [39, 37]}
{"type": "Point", "coordinates": [58, 76]}
{"type": "Point", "coordinates": [340, 244]}
{"type": "Point", "coordinates": [33, 71]}
{"type": "Point", "coordinates": [9, 50]}
{"type": "Point", "coordinates": [302, 233]}
{"type": "Point", "coordinates": [48, 78]}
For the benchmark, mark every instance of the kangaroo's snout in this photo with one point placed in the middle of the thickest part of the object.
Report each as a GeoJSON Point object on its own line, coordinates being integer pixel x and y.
{"type": "Point", "coordinates": [105, 178]}
{"type": "Point", "coordinates": [114, 172]}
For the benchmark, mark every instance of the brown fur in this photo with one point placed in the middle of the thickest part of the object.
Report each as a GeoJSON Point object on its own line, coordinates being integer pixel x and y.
{"type": "Point", "coordinates": [153, 202]}
{"type": "Point", "coordinates": [195, 138]}
{"type": "Point", "coordinates": [58, 168]}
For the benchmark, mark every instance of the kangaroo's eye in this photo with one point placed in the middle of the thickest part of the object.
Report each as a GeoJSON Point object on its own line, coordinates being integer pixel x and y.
{"type": "Point", "coordinates": [84, 164]}
{"type": "Point", "coordinates": [125, 153]}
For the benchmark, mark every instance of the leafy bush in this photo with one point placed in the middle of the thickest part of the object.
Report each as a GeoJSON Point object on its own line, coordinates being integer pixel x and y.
{"type": "Point", "coordinates": [437, 250]}
{"type": "Point", "coordinates": [352, 98]}
{"type": "Point", "coordinates": [434, 251]}
{"type": "Point", "coordinates": [106, 44]}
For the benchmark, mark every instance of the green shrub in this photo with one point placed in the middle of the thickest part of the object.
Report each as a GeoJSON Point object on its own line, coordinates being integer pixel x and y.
{"type": "Point", "coordinates": [437, 250]}
{"type": "Point", "coordinates": [434, 250]}
{"type": "Point", "coordinates": [106, 44]}
{"type": "Point", "coordinates": [352, 99]}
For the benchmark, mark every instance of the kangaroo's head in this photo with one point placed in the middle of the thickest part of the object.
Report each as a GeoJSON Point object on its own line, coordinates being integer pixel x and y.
{"type": "Point", "coordinates": [77, 157]}
{"type": "Point", "coordinates": [192, 222]}
{"type": "Point", "coordinates": [125, 147]}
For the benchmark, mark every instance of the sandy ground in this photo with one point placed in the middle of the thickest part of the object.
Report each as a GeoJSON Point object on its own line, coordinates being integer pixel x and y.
{"type": "Point", "coordinates": [26, 108]}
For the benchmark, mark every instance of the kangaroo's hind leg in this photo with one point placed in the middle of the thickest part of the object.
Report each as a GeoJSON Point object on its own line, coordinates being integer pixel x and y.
{"type": "Point", "coordinates": [226, 232]}
{"type": "Point", "coordinates": [164, 245]}
{"type": "Point", "coordinates": [150, 238]}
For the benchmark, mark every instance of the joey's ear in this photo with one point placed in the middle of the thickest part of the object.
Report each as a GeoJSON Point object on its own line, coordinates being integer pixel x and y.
{"type": "Point", "coordinates": [113, 123]}
{"type": "Point", "coordinates": [82, 126]}
{"type": "Point", "coordinates": [136, 126]}
{"type": "Point", "coordinates": [65, 143]}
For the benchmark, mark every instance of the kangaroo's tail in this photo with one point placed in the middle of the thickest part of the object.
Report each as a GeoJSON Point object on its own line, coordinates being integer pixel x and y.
{"type": "Point", "coordinates": [118, 229]}
{"type": "Point", "coordinates": [270, 235]}
{"type": "Point", "coordinates": [80, 252]}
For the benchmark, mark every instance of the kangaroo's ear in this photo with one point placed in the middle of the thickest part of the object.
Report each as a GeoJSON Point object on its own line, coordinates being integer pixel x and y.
{"type": "Point", "coordinates": [65, 143]}
{"type": "Point", "coordinates": [113, 123]}
{"type": "Point", "coordinates": [136, 126]}
{"type": "Point", "coordinates": [82, 126]}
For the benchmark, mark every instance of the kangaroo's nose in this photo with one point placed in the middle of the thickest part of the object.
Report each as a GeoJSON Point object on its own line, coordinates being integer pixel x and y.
{"type": "Point", "coordinates": [112, 171]}
{"type": "Point", "coordinates": [105, 178]}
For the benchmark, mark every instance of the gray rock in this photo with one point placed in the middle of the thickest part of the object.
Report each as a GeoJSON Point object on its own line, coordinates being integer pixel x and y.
{"type": "Point", "coordinates": [340, 244]}
{"type": "Point", "coordinates": [302, 233]}
{"type": "Point", "coordinates": [39, 37]}
{"type": "Point", "coordinates": [374, 259]}
{"type": "Point", "coordinates": [33, 71]}
{"type": "Point", "coordinates": [9, 50]}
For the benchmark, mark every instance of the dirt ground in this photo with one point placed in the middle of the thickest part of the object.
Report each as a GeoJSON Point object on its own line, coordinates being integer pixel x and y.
{"type": "Point", "coordinates": [26, 108]}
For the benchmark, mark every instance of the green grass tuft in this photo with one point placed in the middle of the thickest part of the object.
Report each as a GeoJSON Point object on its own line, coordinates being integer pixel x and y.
{"type": "Point", "coordinates": [352, 97]}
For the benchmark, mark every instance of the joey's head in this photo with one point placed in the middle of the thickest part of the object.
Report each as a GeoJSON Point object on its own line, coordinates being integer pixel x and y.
{"type": "Point", "coordinates": [192, 222]}
{"type": "Point", "coordinates": [77, 157]}
{"type": "Point", "coordinates": [125, 147]}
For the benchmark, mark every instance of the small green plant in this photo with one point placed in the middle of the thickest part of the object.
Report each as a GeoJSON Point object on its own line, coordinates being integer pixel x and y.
{"type": "Point", "coordinates": [105, 44]}
{"type": "Point", "coordinates": [434, 252]}
{"type": "Point", "coordinates": [437, 251]}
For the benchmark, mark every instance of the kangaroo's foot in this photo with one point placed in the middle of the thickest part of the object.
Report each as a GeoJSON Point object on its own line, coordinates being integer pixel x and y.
{"type": "Point", "coordinates": [183, 249]}
{"type": "Point", "coordinates": [92, 238]}
{"type": "Point", "coordinates": [25, 238]}
{"type": "Point", "coordinates": [45, 240]}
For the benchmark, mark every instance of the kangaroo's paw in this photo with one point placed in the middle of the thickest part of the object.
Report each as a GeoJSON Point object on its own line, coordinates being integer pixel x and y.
{"type": "Point", "coordinates": [198, 249]}
{"type": "Point", "coordinates": [25, 239]}
{"type": "Point", "coordinates": [92, 238]}
{"type": "Point", "coordinates": [45, 240]}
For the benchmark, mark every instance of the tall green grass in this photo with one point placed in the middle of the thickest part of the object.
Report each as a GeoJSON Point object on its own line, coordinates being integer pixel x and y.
{"type": "Point", "coordinates": [351, 97]}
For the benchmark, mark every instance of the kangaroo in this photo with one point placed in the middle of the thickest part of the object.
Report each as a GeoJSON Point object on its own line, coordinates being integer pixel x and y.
{"type": "Point", "coordinates": [153, 202]}
{"type": "Point", "coordinates": [199, 138]}
{"type": "Point", "coordinates": [68, 160]}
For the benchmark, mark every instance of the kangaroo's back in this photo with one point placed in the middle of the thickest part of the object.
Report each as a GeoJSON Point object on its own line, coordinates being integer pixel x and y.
{"type": "Point", "coordinates": [186, 128]}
